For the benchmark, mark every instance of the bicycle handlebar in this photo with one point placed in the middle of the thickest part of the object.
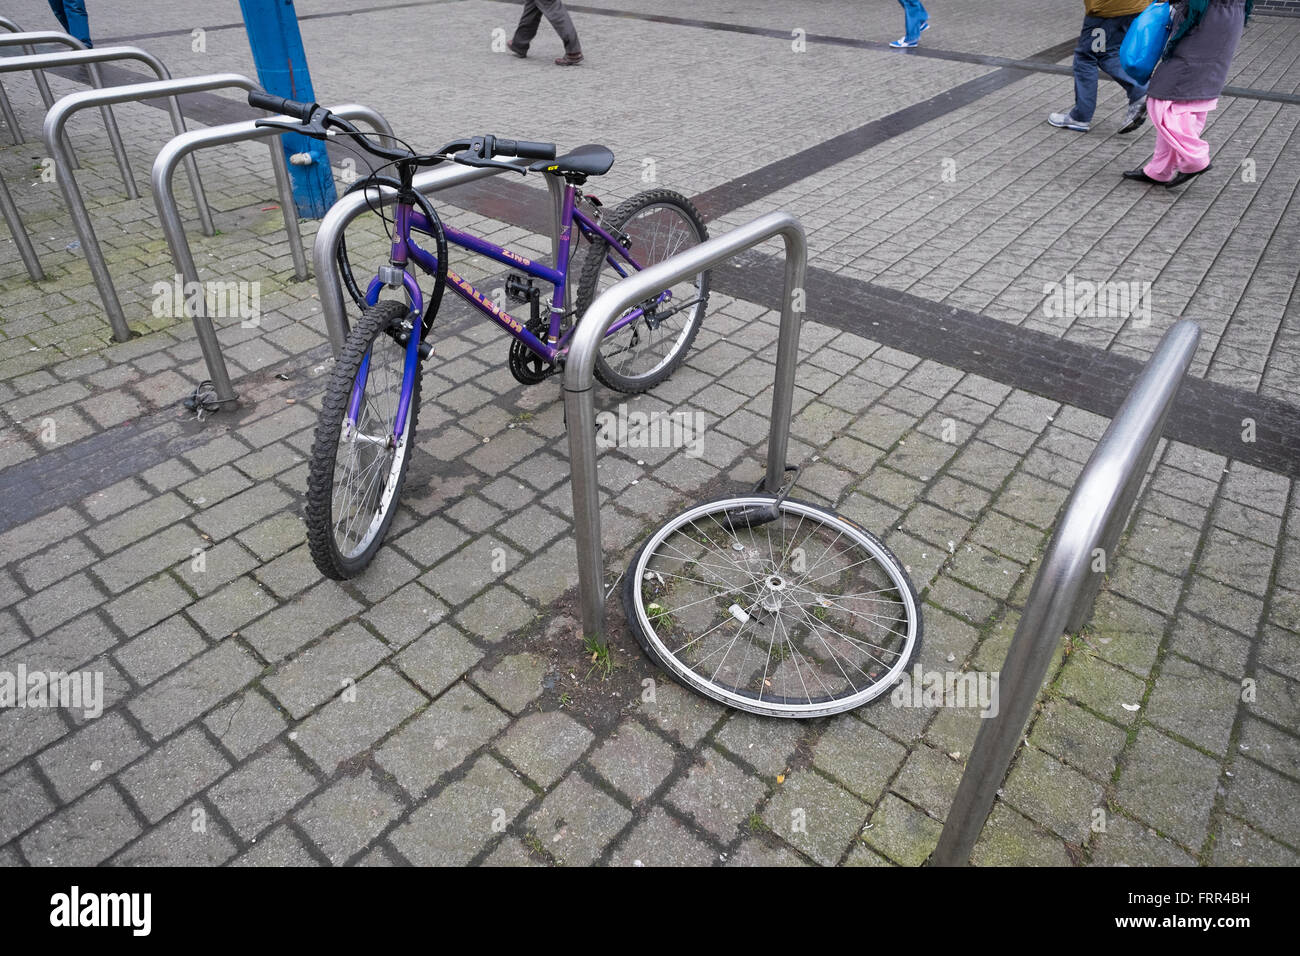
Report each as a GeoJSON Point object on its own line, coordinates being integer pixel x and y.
{"type": "Point", "coordinates": [477, 151]}
{"type": "Point", "coordinates": [278, 104]}
{"type": "Point", "coordinates": [524, 149]}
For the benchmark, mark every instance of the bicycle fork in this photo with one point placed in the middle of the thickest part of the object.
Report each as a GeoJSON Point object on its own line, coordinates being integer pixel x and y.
{"type": "Point", "coordinates": [411, 363]}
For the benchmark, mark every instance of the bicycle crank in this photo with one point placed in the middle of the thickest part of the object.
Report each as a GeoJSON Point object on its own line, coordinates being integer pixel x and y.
{"type": "Point", "coordinates": [527, 366]}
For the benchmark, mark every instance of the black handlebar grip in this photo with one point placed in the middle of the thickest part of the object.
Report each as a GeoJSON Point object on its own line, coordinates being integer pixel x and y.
{"type": "Point", "coordinates": [524, 149]}
{"type": "Point", "coordinates": [278, 104]}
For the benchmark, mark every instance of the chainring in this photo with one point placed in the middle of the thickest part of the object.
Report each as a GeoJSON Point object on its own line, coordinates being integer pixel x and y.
{"type": "Point", "coordinates": [527, 366]}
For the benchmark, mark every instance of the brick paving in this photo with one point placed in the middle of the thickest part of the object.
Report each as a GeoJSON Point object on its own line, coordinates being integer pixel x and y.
{"type": "Point", "coordinates": [436, 711]}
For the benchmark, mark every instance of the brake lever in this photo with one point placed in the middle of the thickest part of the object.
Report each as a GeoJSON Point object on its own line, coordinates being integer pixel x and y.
{"type": "Point", "coordinates": [314, 129]}
{"type": "Point", "coordinates": [279, 124]}
{"type": "Point", "coordinates": [472, 160]}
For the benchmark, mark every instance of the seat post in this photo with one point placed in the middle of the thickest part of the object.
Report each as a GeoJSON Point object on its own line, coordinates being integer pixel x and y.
{"type": "Point", "coordinates": [563, 242]}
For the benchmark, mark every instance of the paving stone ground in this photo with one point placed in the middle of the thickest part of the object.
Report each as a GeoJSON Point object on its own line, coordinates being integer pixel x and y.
{"type": "Point", "coordinates": [439, 710]}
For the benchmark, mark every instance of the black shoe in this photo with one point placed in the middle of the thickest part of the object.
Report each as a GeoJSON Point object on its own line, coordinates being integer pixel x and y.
{"type": "Point", "coordinates": [1180, 178]}
{"type": "Point", "coordinates": [569, 59]}
{"type": "Point", "coordinates": [510, 45]}
{"type": "Point", "coordinates": [1140, 175]}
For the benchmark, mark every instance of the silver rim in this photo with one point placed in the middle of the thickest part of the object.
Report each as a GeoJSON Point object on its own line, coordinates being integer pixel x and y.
{"type": "Point", "coordinates": [366, 464]}
{"type": "Point", "coordinates": [643, 348]}
{"type": "Point", "coordinates": [802, 616]}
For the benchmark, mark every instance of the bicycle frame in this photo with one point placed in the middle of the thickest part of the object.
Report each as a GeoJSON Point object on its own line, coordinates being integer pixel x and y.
{"type": "Point", "coordinates": [405, 250]}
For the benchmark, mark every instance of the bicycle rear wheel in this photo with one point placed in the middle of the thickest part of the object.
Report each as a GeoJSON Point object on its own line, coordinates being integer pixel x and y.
{"type": "Point", "coordinates": [787, 611]}
{"type": "Point", "coordinates": [658, 224]}
{"type": "Point", "coordinates": [357, 469]}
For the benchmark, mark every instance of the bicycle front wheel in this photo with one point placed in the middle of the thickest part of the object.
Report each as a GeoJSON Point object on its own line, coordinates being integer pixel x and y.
{"type": "Point", "coordinates": [657, 224]}
{"type": "Point", "coordinates": [357, 467]}
{"type": "Point", "coordinates": [778, 608]}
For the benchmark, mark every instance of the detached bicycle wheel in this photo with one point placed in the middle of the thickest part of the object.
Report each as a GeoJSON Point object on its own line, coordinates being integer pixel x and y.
{"type": "Point", "coordinates": [658, 224]}
{"type": "Point", "coordinates": [357, 468]}
{"type": "Point", "coordinates": [778, 608]}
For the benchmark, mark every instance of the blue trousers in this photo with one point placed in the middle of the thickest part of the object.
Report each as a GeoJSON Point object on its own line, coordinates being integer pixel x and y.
{"type": "Point", "coordinates": [914, 12]}
{"type": "Point", "coordinates": [1099, 44]}
{"type": "Point", "coordinates": [72, 17]}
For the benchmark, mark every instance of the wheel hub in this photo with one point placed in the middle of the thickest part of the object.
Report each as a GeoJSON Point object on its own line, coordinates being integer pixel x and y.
{"type": "Point", "coordinates": [773, 595]}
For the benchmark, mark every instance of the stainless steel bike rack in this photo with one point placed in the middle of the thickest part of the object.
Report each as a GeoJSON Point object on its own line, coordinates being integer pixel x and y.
{"type": "Point", "coordinates": [348, 208]}
{"type": "Point", "coordinates": [164, 197]}
{"type": "Point", "coordinates": [17, 230]}
{"type": "Point", "coordinates": [25, 40]}
{"type": "Point", "coordinates": [57, 119]}
{"type": "Point", "coordinates": [1066, 585]}
{"type": "Point", "coordinates": [579, 369]}
{"type": "Point", "coordinates": [42, 86]}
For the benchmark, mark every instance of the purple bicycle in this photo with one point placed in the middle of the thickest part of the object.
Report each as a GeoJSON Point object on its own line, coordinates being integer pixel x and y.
{"type": "Point", "coordinates": [361, 450]}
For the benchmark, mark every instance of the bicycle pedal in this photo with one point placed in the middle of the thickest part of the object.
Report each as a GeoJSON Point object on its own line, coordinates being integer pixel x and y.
{"type": "Point", "coordinates": [521, 289]}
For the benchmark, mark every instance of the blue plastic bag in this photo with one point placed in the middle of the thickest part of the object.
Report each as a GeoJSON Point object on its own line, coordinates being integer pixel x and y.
{"type": "Point", "coordinates": [1145, 41]}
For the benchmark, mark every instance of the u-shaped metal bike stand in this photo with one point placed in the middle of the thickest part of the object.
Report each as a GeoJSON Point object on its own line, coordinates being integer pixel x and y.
{"type": "Point", "coordinates": [579, 371]}
{"type": "Point", "coordinates": [57, 119]}
{"type": "Point", "coordinates": [1061, 598]}
{"type": "Point", "coordinates": [164, 197]}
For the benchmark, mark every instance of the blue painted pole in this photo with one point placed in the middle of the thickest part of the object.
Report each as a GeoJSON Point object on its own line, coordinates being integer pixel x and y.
{"type": "Point", "coordinates": [281, 63]}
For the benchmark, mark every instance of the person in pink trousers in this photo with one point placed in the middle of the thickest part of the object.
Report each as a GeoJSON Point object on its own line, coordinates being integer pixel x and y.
{"type": "Point", "coordinates": [1186, 85]}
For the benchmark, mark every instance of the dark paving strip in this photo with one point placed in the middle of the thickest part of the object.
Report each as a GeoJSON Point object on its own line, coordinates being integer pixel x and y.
{"type": "Point", "coordinates": [786, 172]}
{"type": "Point", "coordinates": [1206, 414]}
{"type": "Point", "coordinates": [69, 473]}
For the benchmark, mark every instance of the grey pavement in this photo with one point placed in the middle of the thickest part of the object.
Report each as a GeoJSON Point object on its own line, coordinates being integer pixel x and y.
{"type": "Point", "coordinates": [440, 711]}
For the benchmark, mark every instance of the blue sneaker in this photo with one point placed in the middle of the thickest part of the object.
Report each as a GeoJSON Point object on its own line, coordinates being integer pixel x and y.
{"type": "Point", "coordinates": [924, 26]}
{"type": "Point", "coordinates": [902, 43]}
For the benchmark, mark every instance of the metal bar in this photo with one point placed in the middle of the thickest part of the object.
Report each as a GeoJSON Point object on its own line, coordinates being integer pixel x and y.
{"type": "Point", "coordinates": [579, 369]}
{"type": "Point", "coordinates": [1065, 586]}
{"type": "Point", "coordinates": [349, 207]}
{"type": "Point", "coordinates": [103, 55]}
{"type": "Point", "coordinates": [25, 40]}
{"type": "Point", "coordinates": [42, 86]}
{"type": "Point", "coordinates": [164, 197]}
{"type": "Point", "coordinates": [284, 185]}
{"type": "Point", "coordinates": [16, 229]}
{"type": "Point", "coordinates": [57, 119]}
{"type": "Point", "coordinates": [11, 118]}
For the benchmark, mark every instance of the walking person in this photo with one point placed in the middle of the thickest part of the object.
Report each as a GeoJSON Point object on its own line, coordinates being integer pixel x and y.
{"type": "Point", "coordinates": [560, 20]}
{"type": "Point", "coordinates": [1104, 24]}
{"type": "Point", "coordinates": [1185, 87]}
{"type": "Point", "coordinates": [72, 17]}
{"type": "Point", "coordinates": [916, 21]}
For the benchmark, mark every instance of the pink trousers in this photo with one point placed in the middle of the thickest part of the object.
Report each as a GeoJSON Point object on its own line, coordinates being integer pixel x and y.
{"type": "Point", "coordinates": [1179, 147]}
